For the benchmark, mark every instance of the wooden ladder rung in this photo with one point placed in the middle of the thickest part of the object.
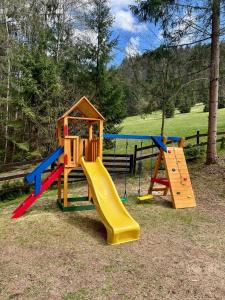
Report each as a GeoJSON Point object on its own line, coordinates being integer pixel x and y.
{"type": "Point", "coordinates": [159, 189]}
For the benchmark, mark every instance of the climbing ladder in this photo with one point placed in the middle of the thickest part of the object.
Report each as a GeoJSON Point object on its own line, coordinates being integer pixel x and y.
{"type": "Point", "coordinates": [177, 178]}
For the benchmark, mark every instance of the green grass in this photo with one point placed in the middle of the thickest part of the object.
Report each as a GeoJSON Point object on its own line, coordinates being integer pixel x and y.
{"type": "Point", "coordinates": [181, 125]}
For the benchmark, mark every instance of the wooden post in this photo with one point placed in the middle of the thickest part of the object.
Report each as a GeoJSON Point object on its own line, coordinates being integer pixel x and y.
{"type": "Point", "coordinates": [181, 143]}
{"type": "Point", "coordinates": [135, 158]}
{"type": "Point", "coordinates": [131, 164]}
{"type": "Point", "coordinates": [65, 188]}
{"type": "Point", "coordinates": [59, 189]}
{"type": "Point", "coordinates": [65, 127]}
{"type": "Point", "coordinates": [198, 137]}
{"type": "Point", "coordinates": [100, 143]}
{"type": "Point", "coordinates": [156, 170]}
{"type": "Point", "coordinates": [90, 137]}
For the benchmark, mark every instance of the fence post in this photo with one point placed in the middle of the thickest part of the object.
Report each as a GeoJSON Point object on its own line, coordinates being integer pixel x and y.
{"type": "Point", "coordinates": [135, 157]}
{"type": "Point", "coordinates": [198, 137]}
{"type": "Point", "coordinates": [131, 164]}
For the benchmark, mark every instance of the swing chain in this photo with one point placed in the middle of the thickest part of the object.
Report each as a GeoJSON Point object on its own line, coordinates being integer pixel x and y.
{"type": "Point", "coordinates": [139, 174]}
{"type": "Point", "coordinates": [125, 178]}
{"type": "Point", "coordinates": [114, 159]}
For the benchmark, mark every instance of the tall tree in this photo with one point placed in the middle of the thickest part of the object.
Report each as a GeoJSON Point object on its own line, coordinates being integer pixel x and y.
{"type": "Point", "coordinates": [214, 83]}
{"type": "Point", "coordinates": [107, 93]}
{"type": "Point", "coordinates": [191, 19]}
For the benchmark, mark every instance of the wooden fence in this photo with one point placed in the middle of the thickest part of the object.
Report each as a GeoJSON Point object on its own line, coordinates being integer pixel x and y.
{"type": "Point", "coordinates": [115, 163]}
{"type": "Point", "coordinates": [138, 151]}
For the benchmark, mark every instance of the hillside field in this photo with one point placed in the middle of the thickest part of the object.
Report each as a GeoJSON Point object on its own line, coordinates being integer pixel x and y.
{"type": "Point", "coordinates": [181, 125]}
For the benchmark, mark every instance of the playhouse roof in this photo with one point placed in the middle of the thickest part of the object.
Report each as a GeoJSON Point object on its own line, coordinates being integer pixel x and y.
{"type": "Point", "coordinates": [85, 107]}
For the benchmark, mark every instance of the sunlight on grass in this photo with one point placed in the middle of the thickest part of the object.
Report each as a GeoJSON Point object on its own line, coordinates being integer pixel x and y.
{"type": "Point", "coordinates": [181, 125]}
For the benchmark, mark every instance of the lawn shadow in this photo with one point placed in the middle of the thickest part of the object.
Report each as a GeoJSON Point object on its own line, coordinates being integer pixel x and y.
{"type": "Point", "coordinates": [158, 201]}
{"type": "Point", "coordinates": [87, 224]}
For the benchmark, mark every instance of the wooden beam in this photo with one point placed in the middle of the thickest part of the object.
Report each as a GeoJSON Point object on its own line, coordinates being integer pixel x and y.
{"type": "Point", "coordinates": [84, 119]}
{"type": "Point", "coordinates": [100, 143]}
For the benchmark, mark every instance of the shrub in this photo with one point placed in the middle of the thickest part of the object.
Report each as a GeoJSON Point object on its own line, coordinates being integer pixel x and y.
{"type": "Point", "coordinates": [184, 106]}
{"type": "Point", "coordinates": [193, 152]}
{"type": "Point", "coordinates": [12, 190]}
{"type": "Point", "coordinates": [221, 104]}
{"type": "Point", "coordinates": [169, 109]}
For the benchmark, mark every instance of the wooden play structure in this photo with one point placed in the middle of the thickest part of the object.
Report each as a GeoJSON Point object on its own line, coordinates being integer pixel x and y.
{"type": "Point", "coordinates": [84, 117]}
{"type": "Point", "coordinates": [79, 134]}
{"type": "Point", "coordinates": [177, 180]}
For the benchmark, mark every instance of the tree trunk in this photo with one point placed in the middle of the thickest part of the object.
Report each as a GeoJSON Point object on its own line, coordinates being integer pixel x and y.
{"type": "Point", "coordinates": [163, 118]}
{"type": "Point", "coordinates": [8, 85]}
{"type": "Point", "coordinates": [214, 84]}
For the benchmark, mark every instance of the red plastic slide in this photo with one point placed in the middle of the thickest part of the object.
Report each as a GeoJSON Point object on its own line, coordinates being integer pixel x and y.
{"type": "Point", "coordinates": [20, 210]}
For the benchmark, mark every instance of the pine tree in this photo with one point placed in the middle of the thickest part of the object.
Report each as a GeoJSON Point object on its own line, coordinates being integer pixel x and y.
{"type": "Point", "coordinates": [108, 94]}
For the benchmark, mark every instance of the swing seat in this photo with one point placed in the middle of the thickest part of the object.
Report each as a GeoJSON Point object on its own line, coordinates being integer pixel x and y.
{"type": "Point", "coordinates": [145, 197]}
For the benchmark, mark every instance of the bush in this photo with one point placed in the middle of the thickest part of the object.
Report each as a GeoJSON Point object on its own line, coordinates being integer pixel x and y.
{"type": "Point", "coordinates": [193, 152]}
{"type": "Point", "coordinates": [10, 191]}
{"type": "Point", "coordinates": [184, 106]}
{"type": "Point", "coordinates": [222, 145]}
{"type": "Point", "coordinates": [169, 109]}
{"type": "Point", "coordinates": [206, 107]}
{"type": "Point", "coordinates": [221, 104]}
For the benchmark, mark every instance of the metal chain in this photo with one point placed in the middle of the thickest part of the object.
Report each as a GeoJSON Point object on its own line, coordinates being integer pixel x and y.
{"type": "Point", "coordinates": [125, 178]}
{"type": "Point", "coordinates": [114, 159]}
{"type": "Point", "coordinates": [139, 175]}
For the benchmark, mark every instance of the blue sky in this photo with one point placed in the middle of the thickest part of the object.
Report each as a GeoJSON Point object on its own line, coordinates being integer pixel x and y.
{"type": "Point", "coordinates": [134, 37]}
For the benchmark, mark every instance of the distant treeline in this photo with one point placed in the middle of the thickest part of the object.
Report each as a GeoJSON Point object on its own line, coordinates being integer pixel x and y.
{"type": "Point", "coordinates": [173, 77]}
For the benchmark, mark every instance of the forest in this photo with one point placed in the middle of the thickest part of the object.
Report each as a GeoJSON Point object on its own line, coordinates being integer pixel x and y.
{"type": "Point", "coordinates": [54, 52]}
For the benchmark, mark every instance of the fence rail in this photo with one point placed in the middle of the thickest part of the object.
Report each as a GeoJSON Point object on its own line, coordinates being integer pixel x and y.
{"type": "Point", "coordinates": [115, 163]}
{"type": "Point", "coordinates": [195, 137]}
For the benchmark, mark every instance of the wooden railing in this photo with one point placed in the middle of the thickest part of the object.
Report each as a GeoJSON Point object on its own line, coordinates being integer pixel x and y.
{"type": "Point", "coordinates": [71, 144]}
{"type": "Point", "coordinates": [94, 149]}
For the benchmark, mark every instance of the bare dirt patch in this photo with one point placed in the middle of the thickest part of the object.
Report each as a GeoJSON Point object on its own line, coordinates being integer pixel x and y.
{"type": "Point", "coordinates": [47, 254]}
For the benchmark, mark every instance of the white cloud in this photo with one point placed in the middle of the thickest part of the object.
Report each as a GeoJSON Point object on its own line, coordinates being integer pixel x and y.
{"type": "Point", "coordinates": [125, 20]}
{"type": "Point", "coordinates": [183, 32]}
{"type": "Point", "coordinates": [132, 48]}
{"type": "Point", "coordinates": [120, 5]}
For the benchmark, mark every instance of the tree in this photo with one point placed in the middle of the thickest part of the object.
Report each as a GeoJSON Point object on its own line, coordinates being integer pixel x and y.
{"type": "Point", "coordinates": [107, 94]}
{"type": "Point", "coordinates": [186, 18]}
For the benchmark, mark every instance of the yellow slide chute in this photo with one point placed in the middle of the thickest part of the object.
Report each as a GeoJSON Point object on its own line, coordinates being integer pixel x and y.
{"type": "Point", "coordinates": [120, 226]}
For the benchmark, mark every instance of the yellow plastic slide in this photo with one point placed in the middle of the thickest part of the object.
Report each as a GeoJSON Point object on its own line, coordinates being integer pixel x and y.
{"type": "Point", "coordinates": [120, 226]}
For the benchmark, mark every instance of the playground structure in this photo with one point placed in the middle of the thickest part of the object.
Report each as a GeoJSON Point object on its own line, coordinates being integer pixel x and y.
{"type": "Point", "coordinates": [84, 150]}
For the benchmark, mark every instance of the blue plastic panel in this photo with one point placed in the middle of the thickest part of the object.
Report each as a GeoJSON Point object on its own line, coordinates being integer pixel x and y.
{"type": "Point", "coordinates": [126, 136]}
{"type": "Point", "coordinates": [159, 142]}
{"type": "Point", "coordinates": [157, 139]}
{"type": "Point", "coordinates": [44, 165]}
{"type": "Point", "coordinates": [138, 137]}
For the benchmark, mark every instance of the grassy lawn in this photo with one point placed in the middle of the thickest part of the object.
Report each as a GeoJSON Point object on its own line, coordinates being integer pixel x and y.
{"type": "Point", "coordinates": [47, 254]}
{"type": "Point", "coordinates": [181, 125]}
